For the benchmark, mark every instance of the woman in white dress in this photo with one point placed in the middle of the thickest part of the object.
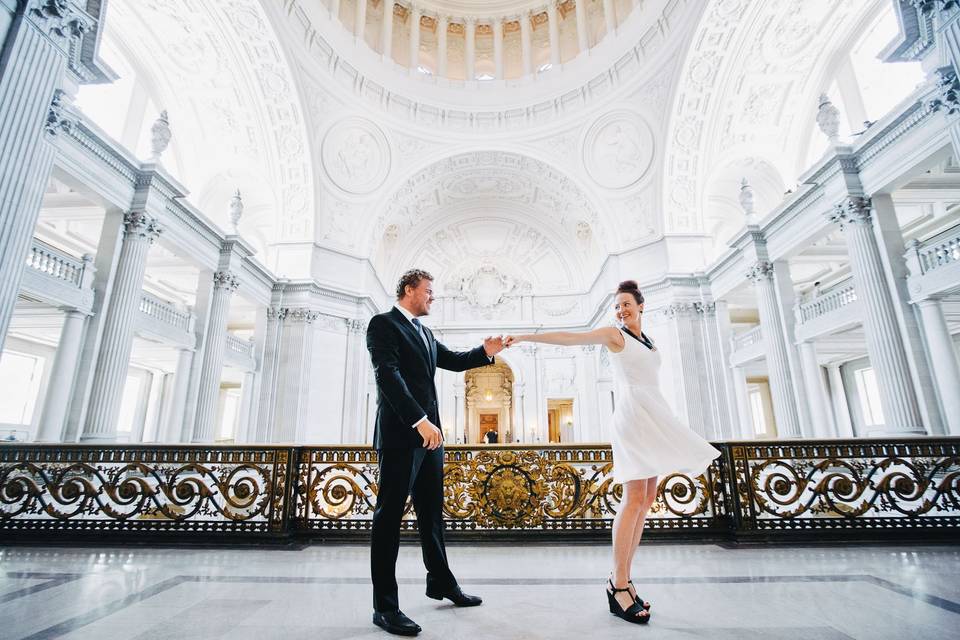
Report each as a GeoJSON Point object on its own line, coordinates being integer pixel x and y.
{"type": "Point", "coordinates": [647, 439]}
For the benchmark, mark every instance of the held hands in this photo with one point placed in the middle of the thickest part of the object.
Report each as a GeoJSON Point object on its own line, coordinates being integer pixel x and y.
{"type": "Point", "coordinates": [509, 341]}
{"type": "Point", "coordinates": [432, 436]}
{"type": "Point", "coordinates": [493, 345]}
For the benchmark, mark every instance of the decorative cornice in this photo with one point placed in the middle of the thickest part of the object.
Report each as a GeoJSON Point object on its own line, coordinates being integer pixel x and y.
{"type": "Point", "coordinates": [138, 223]}
{"type": "Point", "coordinates": [59, 18]}
{"type": "Point", "coordinates": [225, 280]}
{"type": "Point", "coordinates": [853, 210]}
{"type": "Point", "coordinates": [762, 270]}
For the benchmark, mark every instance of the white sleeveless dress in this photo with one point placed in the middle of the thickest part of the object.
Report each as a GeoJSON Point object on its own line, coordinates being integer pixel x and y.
{"type": "Point", "coordinates": [647, 439]}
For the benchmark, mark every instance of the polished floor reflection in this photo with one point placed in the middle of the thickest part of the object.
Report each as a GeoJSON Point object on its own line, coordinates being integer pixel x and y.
{"type": "Point", "coordinates": [530, 592]}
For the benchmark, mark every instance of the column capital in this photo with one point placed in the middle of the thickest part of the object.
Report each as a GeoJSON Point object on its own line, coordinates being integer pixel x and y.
{"type": "Point", "coordinates": [226, 280]}
{"type": "Point", "coordinates": [705, 308]}
{"type": "Point", "coordinates": [276, 313]}
{"type": "Point", "coordinates": [58, 17]}
{"type": "Point", "coordinates": [926, 6]}
{"type": "Point", "coordinates": [57, 119]}
{"type": "Point", "coordinates": [678, 308]}
{"type": "Point", "coordinates": [948, 90]}
{"type": "Point", "coordinates": [355, 325]}
{"type": "Point", "coordinates": [301, 314]}
{"type": "Point", "coordinates": [852, 210]}
{"type": "Point", "coordinates": [762, 270]}
{"type": "Point", "coordinates": [140, 224]}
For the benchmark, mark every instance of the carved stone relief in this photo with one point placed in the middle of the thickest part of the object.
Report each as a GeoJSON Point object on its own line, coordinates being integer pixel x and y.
{"type": "Point", "coordinates": [356, 156]}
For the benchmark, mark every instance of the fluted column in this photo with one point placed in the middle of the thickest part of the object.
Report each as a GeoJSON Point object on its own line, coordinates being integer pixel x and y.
{"type": "Point", "coordinates": [269, 374]}
{"type": "Point", "coordinates": [885, 346]}
{"type": "Point", "coordinates": [943, 361]}
{"type": "Point", "coordinates": [60, 385]}
{"type": "Point", "coordinates": [414, 37]}
{"type": "Point", "coordinates": [470, 57]}
{"type": "Point", "coordinates": [610, 16]}
{"type": "Point", "coordinates": [442, 27]}
{"type": "Point", "coordinates": [172, 428]}
{"type": "Point", "coordinates": [583, 35]}
{"type": "Point", "coordinates": [110, 375]}
{"type": "Point", "coordinates": [224, 284]}
{"type": "Point", "coordinates": [293, 380]}
{"type": "Point", "coordinates": [822, 426]}
{"type": "Point", "coordinates": [354, 365]}
{"type": "Point", "coordinates": [35, 60]}
{"type": "Point", "coordinates": [838, 395]}
{"type": "Point", "coordinates": [553, 24]}
{"type": "Point", "coordinates": [778, 364]}
{"type": "Point", "coordinates": [386, 30]}
{"type": "Point", "coordinates": [335, 9]}
{"type": "Point", "coordinates": [716, 362]}
{"type": "Point", "coordinates": [497, 25]}
{"type": "Point", "coordinates": [247, 418]}
{"type": "Point", "coordinates": [744, 427]}
{"type": "Point", "coordinates": [360, 18]}
{"type": "Point", "coordinates": [526, 44]}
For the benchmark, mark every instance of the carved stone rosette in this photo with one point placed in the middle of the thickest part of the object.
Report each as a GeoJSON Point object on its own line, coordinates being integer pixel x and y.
{"type": "Point", "coordinates": [853, 210]}
{"type": "Point", "coordinates": [138, 223]}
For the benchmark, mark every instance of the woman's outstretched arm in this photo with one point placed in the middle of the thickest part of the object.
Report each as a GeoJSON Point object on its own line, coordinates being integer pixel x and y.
{"type": "Point", "coordinates": [607, 336]}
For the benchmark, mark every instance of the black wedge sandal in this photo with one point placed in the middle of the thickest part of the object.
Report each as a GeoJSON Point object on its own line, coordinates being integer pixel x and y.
{"type": "Point", "coordinates": [635, 613]}
{"type": "Point", "coordinates": [643, 603]}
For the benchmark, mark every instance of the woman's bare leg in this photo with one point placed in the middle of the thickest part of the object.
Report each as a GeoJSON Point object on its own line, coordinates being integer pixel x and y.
{"type": "Point", "coordinates": [649, 497]}
{"type": "Point", "coordinates": [624, 525]}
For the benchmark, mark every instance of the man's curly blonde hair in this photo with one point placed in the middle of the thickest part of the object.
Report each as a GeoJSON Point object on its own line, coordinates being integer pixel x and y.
{"type": "Point", "coordinates": [411, 278]}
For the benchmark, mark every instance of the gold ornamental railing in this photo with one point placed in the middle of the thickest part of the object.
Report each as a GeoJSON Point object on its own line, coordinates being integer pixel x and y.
{"type": "Point", "coordinates": [787, 489]}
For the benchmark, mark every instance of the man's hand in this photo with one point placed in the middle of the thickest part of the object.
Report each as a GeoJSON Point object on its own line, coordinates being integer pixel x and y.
{"type": "Point", "coordinates": [509, 341]}
{"type": "Point", "coordinates": [432, 436]}
{"type": "Point", "coordinates": [493, 345]}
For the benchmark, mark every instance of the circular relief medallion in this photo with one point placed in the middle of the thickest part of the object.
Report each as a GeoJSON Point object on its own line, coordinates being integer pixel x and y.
{"type": "Point", "coordinates": [356, 155]}
{"type": "Point", "coordinates": [618, 149]}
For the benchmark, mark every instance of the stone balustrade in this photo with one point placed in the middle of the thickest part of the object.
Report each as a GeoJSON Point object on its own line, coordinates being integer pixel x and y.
{"type": "Point", "coordinates": [239, 346]}
{"type": "Point", "coordinates": [165, 312]}
{"type": "Point", "coordinates": [939, 251]}
{"type": "Point", "coordinates": [55, 264]}
{"type": "Point", "coordinates": [837, 297]}
{"type": "Point", "coordinates": [746, 338]}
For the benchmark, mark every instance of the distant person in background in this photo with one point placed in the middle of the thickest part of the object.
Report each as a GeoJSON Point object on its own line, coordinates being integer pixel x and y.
{"type": "Point", "coordinates": [491, 436]}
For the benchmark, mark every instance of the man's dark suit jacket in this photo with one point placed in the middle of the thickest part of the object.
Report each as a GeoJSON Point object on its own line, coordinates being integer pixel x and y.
{"type": "Point", "coordinates": [405, 371]}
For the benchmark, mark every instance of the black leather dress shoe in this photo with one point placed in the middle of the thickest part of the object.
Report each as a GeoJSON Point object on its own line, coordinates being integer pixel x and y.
{"type": "Point", "coordinates": [456, 596]}
{"type": "Point", "coordinates": [396, 622]}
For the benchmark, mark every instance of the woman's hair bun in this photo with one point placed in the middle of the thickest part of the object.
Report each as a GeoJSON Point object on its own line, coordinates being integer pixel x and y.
{"type": "Point", "coordinates": [628, 285]}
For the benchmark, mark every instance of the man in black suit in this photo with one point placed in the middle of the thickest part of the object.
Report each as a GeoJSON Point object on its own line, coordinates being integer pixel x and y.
{"type": "Point", "coordinates": [409, 445]}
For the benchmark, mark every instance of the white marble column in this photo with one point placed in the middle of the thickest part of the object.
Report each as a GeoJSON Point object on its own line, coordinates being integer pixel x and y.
{"type": "Point", "coordinates": [110, 375]}
{"type": "Point", "coordinates": [354, 366]}
{"type": "Point", "coordinates": [386, 30]}
{"type": "Point", "coordinates": [583, 34]}
{"type": "Point", "coordinates": [360, 18]}
{"type": "Point", "coordinates": [720, 393]}
{"type": "Point", "coordinates": [778, 364]}
{"type": "Point", "coordinates": [414, 37]}
{"type": "Point", "coordinates": [269, 374]}
{"type": "Point", "coordinates": [885, 345]}
{"type": "Point", "coordinates": [526, 44]}
{"type": "Point", "coordinates": [35, 60]}
{"type": "Point", "coordinates": [246, 417]}
{"type": "Point", "coordinates": [943, 361]}
{"type": "Point", "coordinates": [293, 380]}
{"type": "Point", "coordinates": [172, 427]}
{"type": "Point", "coordinates": [62, 374]}
{"type": "Point", "coordinates": [224, 285]}
{"type": "Point", "coordinates": [838, 396]}
{"type": "Point", "coordinates": [610, 16]}
{"type": "Point", "coordinates": [822, 426]}
{"type": "Point", "coordinates": [470, 56]}
{"type": "Point", "coordinates": [497, 25]}
{"type": "Point", "coordinates": [442, 28]}
{"type": "Point", "coordinates": [744, 428]}
{"type": "Point", "coordinates": [724, 334]}
{"type": "Point", "coordinates": [553, 23]}
{"type": "Point", "coordinates": [690, 377]}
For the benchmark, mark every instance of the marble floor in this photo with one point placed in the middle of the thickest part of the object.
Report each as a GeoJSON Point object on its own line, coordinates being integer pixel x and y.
{"type": "Point", "coordinates": [530, 592]}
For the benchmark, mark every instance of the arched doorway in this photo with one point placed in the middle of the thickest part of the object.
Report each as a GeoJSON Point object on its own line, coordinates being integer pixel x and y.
{"type": "Point", "coordinates": [489, 404]}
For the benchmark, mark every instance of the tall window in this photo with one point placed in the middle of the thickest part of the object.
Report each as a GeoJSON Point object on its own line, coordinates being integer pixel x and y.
{"type": "Point", "coordinates": [20, 375]}
{"type": "Point", "coordinates": [869, 394]}
{"type": "Point", "coordinates": [756, 412]}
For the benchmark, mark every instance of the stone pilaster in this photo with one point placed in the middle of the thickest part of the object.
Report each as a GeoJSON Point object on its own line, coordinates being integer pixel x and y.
{"type": "Point", "coordinates": [822, 423]}
{"type": "Point", "coordinates": [269, 372]}
{"type": "Point", "coordinates": [778, 362]}
{"type": "Point", "coordinates": [224, 284]}
{"type": "Point", "coordinates": [885, 345]}
{"type": "Point", "coordinates": [31, 73]}
{"type": "Point", "coordinates": [109, 378]}
{"type": "Point", "coordinates": [690, 372]}
{"type": "Point", "coordinates": [716, 359]}
{"type": "Point", "coordinates": [62, 374]}
{"type": "Point", "coordinates": [354, 379]}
